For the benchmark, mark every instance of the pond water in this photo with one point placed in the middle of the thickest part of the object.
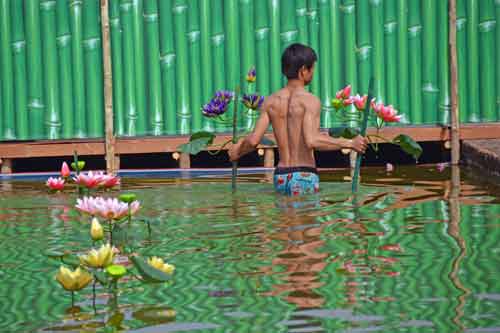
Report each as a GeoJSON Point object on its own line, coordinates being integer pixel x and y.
{"type": "Point", "coordinates": [415, 252]}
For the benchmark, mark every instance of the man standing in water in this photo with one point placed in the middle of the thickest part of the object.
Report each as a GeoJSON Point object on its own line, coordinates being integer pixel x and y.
{"type": "Point", "coordinates": [294, 115]}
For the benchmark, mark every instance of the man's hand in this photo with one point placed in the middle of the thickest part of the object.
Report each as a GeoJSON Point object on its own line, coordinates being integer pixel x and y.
{"type": "Point", "coordinates": [234, 151]}
{"type": "Point", "coordinates": [359, 144]}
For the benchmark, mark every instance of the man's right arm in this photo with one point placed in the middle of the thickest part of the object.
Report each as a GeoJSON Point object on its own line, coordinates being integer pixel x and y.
{"type": "Point", "coordinates": [314, 139]}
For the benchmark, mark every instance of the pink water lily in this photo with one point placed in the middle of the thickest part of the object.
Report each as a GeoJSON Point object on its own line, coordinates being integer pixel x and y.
{"type": "Point", "coordinates": [87, 205]}
{"type": "Point", "coordinates": [89, 180]}
{"type": "Point", "coordinates": [344, 93]}
{"type": "Point", "coordinates": [109, 181]}
{"type": "Point", "coordinates": [359, 101]}
{"type": "Point", "coordinates": [55, 184]}
{"type": "Point", "coordinates": [65, 170]}
{"type": "Point", "coordinates": [107, 208]}
{"type": "Point", "coordinates": [386, 113]}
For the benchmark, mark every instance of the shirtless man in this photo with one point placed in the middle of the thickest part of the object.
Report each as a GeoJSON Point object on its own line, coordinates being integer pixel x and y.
{"type": "Point", "coordinates": [294, 115]}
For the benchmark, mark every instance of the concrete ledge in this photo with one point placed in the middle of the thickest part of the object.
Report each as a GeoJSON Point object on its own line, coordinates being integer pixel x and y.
{"type": "Point", "coordinates": [483, 156]}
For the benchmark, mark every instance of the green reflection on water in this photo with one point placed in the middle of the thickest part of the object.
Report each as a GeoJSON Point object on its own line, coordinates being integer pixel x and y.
{"type": "Point", "coordinates": [414, 256]}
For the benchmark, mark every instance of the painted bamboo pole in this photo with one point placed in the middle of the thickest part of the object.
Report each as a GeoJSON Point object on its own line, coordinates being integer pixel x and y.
{"type": "Point", "coordinates": [462, 61]}
{"type": "Point", "coordinates": [152, 42]}
{"type": "Point", "coordinates": [274, 44]}
{"type": "Point", "coordinates": [288, 24]}
{"type": "Point", "coordinates": [218, 43]}
{"type": "Point", "coordinates": [487, 60]}
{"type": "Point", "coordinates": [262, 47]}
{"type": "Point", "coordinates": [348, 10]}
{"type": "Point", "coordinates": [117, 67]}
{"type": "Point", "coordinates": [313, 29]}
{"type": "Point", "coordinates": [473, 60]}
{"type": "Point", "coordinates": [50, 66]}
{"type": "Point", "coordinates": [231, 29]}
{"type": "Point", "coordinates": [247, 27]}
{"type": "Point", "coordinates": [301, 13]}
{"type": "Point", "coordinates": [108, 89]}
{"type": "Point", "coordinates": [429, 61]}
{"type": "Point", "coordinates": [7, 73]}
{"type": "Point", "coordinates": [325, 57]}
{"type": "Point", "coordinates": [19, 71]}
{"type": "Point", "coordinates": [182, 67]}
{"type": "Point", "coordinates": [402, 49]}
{"type": "Point", "coordinates": [167, 58]}
{"type": "Point", "coordinates": [364, 47]}
{"type": "Point", "coordinates": [497, 19]}
{"type": "Point", "coordinates": [391, 56]}
{"type": "Point", "coordinates": [206, 61]}
{"type": "Point", "coordinates": [455, 129]}
{"type": "Point", "coordinates": [415, 61]}
{"type": "Point", "coordinates": [128, 68]}
{"type": "Point", "coordinates": [65, 69]}
{"type": "Point", "coordinates": [443, 62]}
{"type": "Point", "coordinates": [139, 67]}
{"type": "Point", "coordinates": [34, 60]}
{"type": "Point", "coordinates": [377, 25]}
{"type": "Point", "coordinates": [195, 64]}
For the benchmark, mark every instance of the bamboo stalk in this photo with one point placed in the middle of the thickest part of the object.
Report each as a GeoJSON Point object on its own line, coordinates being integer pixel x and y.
{"type": "Point", "coordinates": [325, 54]}
{"type": "Point", "coordinates": [50, 65]}
{"type": "Point", "coordinates": [36, 108]}
{"type": "Point", "coordinates": [206, 61]}
{"type": "Point", "coordinates": [274, 44]}
{"type": "Point", "coordinates": [108, 89]}
{"type": "Point", "coordinates": [391, 46]}
{"type": "Point", "coordinates": [288, 24]}
{"type": "Point", "coordinates": [168, 66]}
{"type": "Point", "coordinates": [182, 67]}
{"type": "Point", "coordinates": [128, 68]}
{"type": "Point", "coordinates": [443, 64]}
{"type": "Point", "coordinates": [218, 42]}
{"type": "Point", "coordinates": [301, 13]}
{"type": "Point", "coordinates": [231, 28]}
{"type": "Point", "coordinates": [364, 48]}
{"type": "Point", "coordinates": [487, 60]}
{"type": "Point", "coordinates": [7, 73]}
{"type": "Point", "coordinates": [19, 71]}
{"type": "Point", "coordinates": [117, 67]}
{"type": "Point", "coordinates": [415, 61]}
{"type": "Point", "coordinates": [429, 60]}
{"type": "Point", "coordinates": [139, 67]}
{"type": "Point", "coordinates": [65, 69]}
{"type": "Point", "coordinates": [455, 129]}
{"type": "Point", "coordinates": [402, 75]}
{"type": "Point", "coordinates": [377, 25]}
{"type": "Point", "coordinates": [473, 60]}
{"type": "Point", "coordinates": [195, 63]}
{"type": "Point", "coordinates": [348, 10]}
{"type": "Point", "coordinates": [262, 47]}
{"type": "Point", "coordinates": [497, 19]}
{"type": "Point", "coordinates": [153, 67]}
{"type": "Point", "coordinates": [313, 28]}
{"type": "Point", "coordinates": [462, 61]}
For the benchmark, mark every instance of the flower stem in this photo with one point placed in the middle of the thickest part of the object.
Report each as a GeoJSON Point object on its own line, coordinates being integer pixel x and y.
{"type": "Point", "coordinates": [235, 139]}
{"type": "Point", "coordinates": [72, 299]}
{"type": "Point", "coordinates": [110, 232]}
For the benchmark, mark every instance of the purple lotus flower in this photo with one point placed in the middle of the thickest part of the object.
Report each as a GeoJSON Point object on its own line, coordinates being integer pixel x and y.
{"type": "Point", "coordinates": [251, 75]}
{"type": "Point", "coordinates": [252, 101]}
{"type": "Point", "coordinates": [226, 95]}
{"type": "Point", "coordinates": [218, 104]}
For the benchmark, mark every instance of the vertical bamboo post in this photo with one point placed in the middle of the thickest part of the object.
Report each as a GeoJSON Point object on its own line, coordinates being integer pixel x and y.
{"type": "Point", "coordinates": [462, 61]}
{"type": "Point", "coordinates": [195, 69]}
{"type": "Point", "coordinates": [6, 69]}
{"type": "Point", "coordinates": [218, 58]}
{"type": "Point", "coordinates": [274, 44]}
{"type": "Point", "coordinates": [301, 12]}
{"type": "Point", "coordinates": [364, 45]}
{"type": "Point", "coordinates": [351, 69]}
{"type": "Point", "coordinates": [139, 66]}
{"type": "Point", "coordinates": [455, 129]}
{"type": "Point", "coordinates": [487, 60]}
{"type": "Point", "coordinates": [206, 59]}
{"type": "Point", "coordinates": [429, 61]}
{"type": "Point", "coordinates": [324, 59]}
{"type": "Point", "coordinates": [313, 30]}
{"type": "Point", "coordinates": [262, 46]}
{"type": "Point", "coordinates": [443, 62]}
{"type": "Point", "coordinates": [108, 90]}
{"type": "Point", "coordinates": [391, 52]}
{"type": "Point", "coordinates": [415, 61]}
{"type": "Point", "coordinates": [473, 60]}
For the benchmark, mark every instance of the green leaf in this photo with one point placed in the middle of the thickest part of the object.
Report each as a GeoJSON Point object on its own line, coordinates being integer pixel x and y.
{"type": "Point", "coordinates": [149, 273]}
{"type": "Point", "coordinates": [116, 271]}
{"type": "Point", "coordinates": [195, 146]}
{"type": "Point", "coordinates": [203, 134]}
{"type": "Point", "coordinates": [101, 277]}
{"type": "Point", "coordinates": [127, 197]}
{"type": "Point", "coordinates": [267, 142]}
{"type": "Point", "coordinates": [344, 132]}
{"type": "Point", "coordinates": [71, 260]}
{"type": "Point", "coordinates": [408, 145]}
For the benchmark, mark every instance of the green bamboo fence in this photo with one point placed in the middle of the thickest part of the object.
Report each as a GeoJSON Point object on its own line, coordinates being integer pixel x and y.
{"type": "Point", "coordinates": [170, 56]}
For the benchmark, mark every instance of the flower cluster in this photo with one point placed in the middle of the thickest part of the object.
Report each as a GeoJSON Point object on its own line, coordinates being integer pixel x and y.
{"type": "Point", "coordinates": [218, 104]}
{"type": "Point", "coordinates": [98, 179]}
{"type": "Point", "coordinates": [107, 208]}
{"type": "Point", "coordinates": [252, 101]}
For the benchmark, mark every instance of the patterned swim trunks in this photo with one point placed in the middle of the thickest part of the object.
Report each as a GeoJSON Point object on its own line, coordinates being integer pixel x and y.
{"type": "Point", "coordinates": [296, 180]}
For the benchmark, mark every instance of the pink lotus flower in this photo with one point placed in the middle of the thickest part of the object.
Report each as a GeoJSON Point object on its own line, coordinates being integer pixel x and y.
{"type": "Point", "coordinates": [65, 170]}
{"type": "Point", "coordinates": [87, 205]}
{"type": "Point", "coordinates": [386, 113]}
{"type": "Point", "coordinates": [89, 180]}
{"type": "Point", "coordinates": [389, 167]}
{"type": "Point", "coordinates": [359, 102]}
{"type": "Point", "coordinates": [107, 208]}
{"type": "Point", "coordinates": [109, 181]}
{"type": "Point", "coordinates": [347, 101]}
{"type": "Point", "coordinates": [344, 93]}
{"type": "Point", "coordinates": [55, 184]}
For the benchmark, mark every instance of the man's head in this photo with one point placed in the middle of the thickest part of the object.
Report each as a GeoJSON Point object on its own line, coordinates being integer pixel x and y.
{"type": "Point", "coordinates": [297, 62]}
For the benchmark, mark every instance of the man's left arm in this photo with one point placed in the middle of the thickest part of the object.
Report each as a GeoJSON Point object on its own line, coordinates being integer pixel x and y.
{"type": "Point", "coordinates": [250, 142]}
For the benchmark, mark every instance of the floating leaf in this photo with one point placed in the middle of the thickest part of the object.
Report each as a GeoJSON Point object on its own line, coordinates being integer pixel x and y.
{"type": "Point", "coordinates": [344, 132]}
{"type": "Point", "coordinates": [408, 145]}
{"type": "Point", "coordinates": [149, 273]}
{"type": "Point", "coordinates": [267, 142]}
{"type": "Point", "coordinates": [116, 271]}
{"type": "Point", "coordinates": [203, 134]}
{"type": "Point", "coordinates": [195, 146]}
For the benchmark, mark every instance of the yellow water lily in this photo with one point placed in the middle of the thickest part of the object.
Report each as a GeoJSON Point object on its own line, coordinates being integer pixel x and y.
{"type": "Point", "coordinates": [99, 258]}
{"type": "Point", "coordinates": [160, 265]}
{"type": "Point", "coordinates": [73, 280]}
{"type": "Point", "coordinates": [96, 231]}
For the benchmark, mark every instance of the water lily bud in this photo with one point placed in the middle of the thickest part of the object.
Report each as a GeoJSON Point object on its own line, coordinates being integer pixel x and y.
{"type": "Point", "coordinates": [81, 165]}
{"type": "Point", "coordinates": [96, 231]}
{"type": "Point", "coordinates": [65, 170]}
{"type": "Point", "coordinates": [127, 197]}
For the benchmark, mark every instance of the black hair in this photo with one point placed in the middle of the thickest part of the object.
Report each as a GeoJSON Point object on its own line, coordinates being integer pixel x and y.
{"type": "Point", "coordinates": [294, 57]}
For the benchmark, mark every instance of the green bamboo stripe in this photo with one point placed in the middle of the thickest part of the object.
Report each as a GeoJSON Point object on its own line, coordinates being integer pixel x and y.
{"type": "Point", "coordinates": [262, 47]}
{"type": "Point", "coordinates": [443, 63]}
{"type": "Point", "coordinates": [7, 74]}
{"type": "Point", "coordinates": [195, 64]}
{"type": "Point", "coordinates": [403, 69]}
{"type": "Point", "coordinates": [182, 67]}
{"type": "Point", "coordinates": [167, 59]}
{"type": "Point", "coordinates": [364, 47]}
{"type": "Point", "coordinates": [348, 9]}
{"type": "Point", "coordinates": [487, 60]}
{"type": "Point", "coordinates": [473, 60]}
{"type": "Point", "coordinates": [36, 105]}
{"type": "Point", "coordinates": [377, 25]}
{"type": "Point", "coordinates": [218, 45]}
{"type": "Point", "coordinates": [313, 29]}
{"type": "Point", "coordinates": [462, 62]}
{"type": "Point", "coordinates": [19, 71]}
{"type": "Point", "coordinates": [391, 46]}
{"type": "Point", "coordinates": [324, 58]}
{"type": "Point", "coordinates": [497, 56]}
{"type": "Point", "coordinates": [206, 61]}
{"type": "Point", "coordinates": [415, 61]}
{"type": "Point", "coordinates": [301, 12]}
{"type": "Point", "coordinates": [115, 28]}
{"type": "Point", "coordinates": [429, 60]}
{"type": "Point", "coordinates": [153, 66]}
{"type": "Point", "coordinates": [288, 21]}
{"type": "Point", "coordinates": [139, 66]}
{"type": "Point", "coordinates": [274, 45]}
{"type": "Point", "coordinates": [50, 66]}
{"type": "Point", "coordinates": [65, 93]}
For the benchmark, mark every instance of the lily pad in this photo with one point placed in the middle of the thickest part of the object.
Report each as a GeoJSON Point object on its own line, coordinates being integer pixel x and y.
{"type": "Point", "coordinates": [203, 134]}
{"type": "Point", "coordinates": [54, 254]}
{"type": "Point", "coordinates": [116, 271]}
{"type": "Point", "coordinates": [195, 146]}
{"type": "Point", "coordinates": [149, 273]}
{"type": "Point", "coordinates": [408, 145]}
{"type": "Point", "coordinates": [344, 132]}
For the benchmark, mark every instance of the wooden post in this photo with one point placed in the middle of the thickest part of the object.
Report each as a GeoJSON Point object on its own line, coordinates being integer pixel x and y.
{"type": "Point", "coordinates": [268, 158]}
{"type": "Point", "coordinates": [108, 90]}
{"type": "Point", "coordinates": [185, 161]}
{"type": "Point", "coordinates": [6, 165]}
{"type": "Point", "coordinates": [455, 126]}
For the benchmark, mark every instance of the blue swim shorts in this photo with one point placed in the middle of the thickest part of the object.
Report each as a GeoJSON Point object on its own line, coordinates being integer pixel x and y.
{"type": "Point", "coordinates": [296, 180]}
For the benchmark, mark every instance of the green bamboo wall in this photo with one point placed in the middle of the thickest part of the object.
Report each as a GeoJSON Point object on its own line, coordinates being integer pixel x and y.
{"type": "Point", "coordinates": [169, 56]}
